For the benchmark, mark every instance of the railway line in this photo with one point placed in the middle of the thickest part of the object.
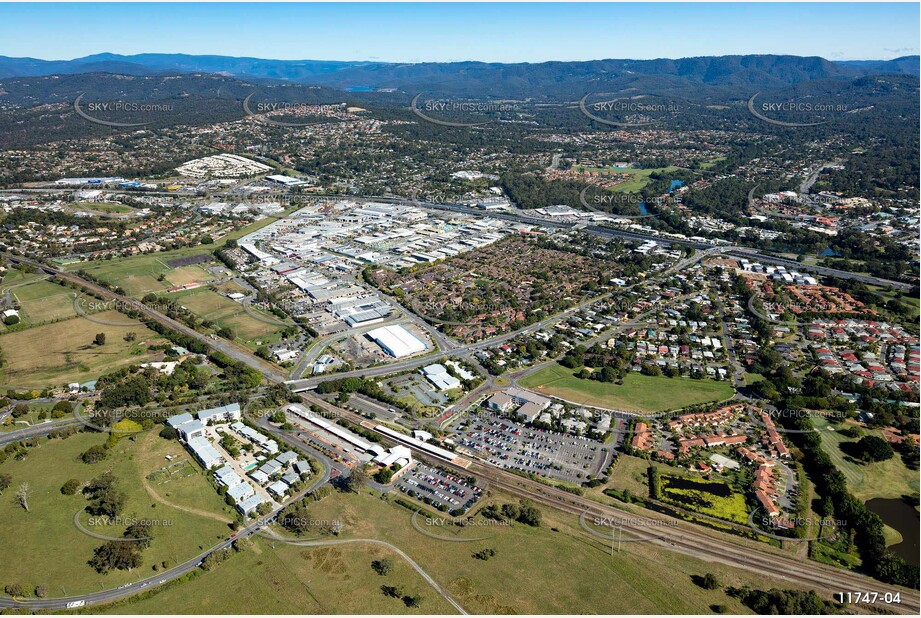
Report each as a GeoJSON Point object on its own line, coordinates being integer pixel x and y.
{"type": "Point", "coordinates": [684, 539]}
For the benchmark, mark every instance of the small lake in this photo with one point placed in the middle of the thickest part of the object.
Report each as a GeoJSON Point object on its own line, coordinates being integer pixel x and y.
{"type": "Point", "coordinates": [675, 184]}
{"type": "Point", "coordinates": [643, 210]}
{"type": "Point", "coordinates": [717, 489]}
{"type": "Point", "coordinates": [898, 514]}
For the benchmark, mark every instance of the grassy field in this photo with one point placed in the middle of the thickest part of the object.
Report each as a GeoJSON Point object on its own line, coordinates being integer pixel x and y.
{"type": "Point", "coordinates": [555, 569]}
{"type": "Point", "coordinates": [639, 178]}
{"type": "Point", "coordinates": [32, 418]}
{"type": "Point", "coordinates": [883, 479]}
{"type": "Point", "coordinates": [285, 580]}
{"type": "Point", "coordinates": [630, 474]}
{"type": "Point", "coordinates": [138, 274]}
{"type": "Point", "coordinates": [640, 393]}
{"type": "Point", "coordinates": [68, 353]}
{"type": "Point", "coordinates": [57, 552]}
{"type": "Point", "coordinates": [107, 207]}
{"type": "Point", "coordinates": [43, 301]}
{"type": "Point", "coordinates": [210, 305]}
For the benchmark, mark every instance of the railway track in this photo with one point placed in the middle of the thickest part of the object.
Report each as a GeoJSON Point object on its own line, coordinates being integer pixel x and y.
{"type": "Point", "coordinates": [763, 561]}
{"type": "Point", "coordinates": [688, 541]}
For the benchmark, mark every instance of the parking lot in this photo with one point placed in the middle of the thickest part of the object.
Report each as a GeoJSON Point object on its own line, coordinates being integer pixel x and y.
{"type": "Point", "coordinates": [438, 488]}
{"type": "Point", "coordinates": [418, 387]}
{"type": "Point", "coordinates": [511, 445]}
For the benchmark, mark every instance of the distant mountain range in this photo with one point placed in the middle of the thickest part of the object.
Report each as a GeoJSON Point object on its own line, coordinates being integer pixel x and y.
{"type": "Point", "coordinates": [479, 79]}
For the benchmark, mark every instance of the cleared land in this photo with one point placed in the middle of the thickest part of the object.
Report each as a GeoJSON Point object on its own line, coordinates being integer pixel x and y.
{"type": "Point", "coordinates": [210, 305]}
{"type": "Point", "coordinates": [640, 393]}
{"type": "Point", "coordinates": [580, 575]}
{"type": "Point", "coordinates": [106, 207]}
{"type": "Point", "coordinates": [57, 552]}
{"type": "Point", "coordinates": [64, 352]}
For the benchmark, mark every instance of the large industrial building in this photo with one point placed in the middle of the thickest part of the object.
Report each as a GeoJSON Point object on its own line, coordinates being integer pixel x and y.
{"type": "Point", "coordinates": [397, 341]}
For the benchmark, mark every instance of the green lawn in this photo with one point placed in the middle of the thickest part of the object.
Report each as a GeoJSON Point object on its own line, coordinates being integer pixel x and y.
{"type": "Point", "coordinates": [639, 178]}
{"type": "Point", "coordinates": [51, 549]}
{"type": "Point", "coordinates": [106, 207]}
{"type": "Point", "coordinates": [43, 301]}
{"type": "Point", "coordinates": [640, 393]}
{"type": "Point", "coordinates": [68, 353]}
{"type": "Point", "coordinates": [138, 274]}
{"type": "Point", "coordinates": [884, 479]}
{"type": "Point", "coordinates": [32, 418]}
{"type": "Point", "coordinates": [554, 569]}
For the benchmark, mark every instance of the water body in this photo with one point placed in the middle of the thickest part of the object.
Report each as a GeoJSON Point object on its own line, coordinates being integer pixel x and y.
{"type": "Point", "coordinates": [643, 210]}
{"type": "Point", "coordinates": [718, 489]}
{"type": "Point", "coordinates": [898, 514]}
{"type": "Point", "coordinates": [829, 252]}
{"type": "Point", "coordinates": [675, 184]}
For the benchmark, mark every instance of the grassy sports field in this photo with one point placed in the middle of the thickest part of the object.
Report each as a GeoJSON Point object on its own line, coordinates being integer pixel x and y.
{"type": "Point", "coordinates": [44, 301]}
{"type": "Point", "coordinates": [139, 274]}
{"type": "Point", "coordinates": [640, 393]}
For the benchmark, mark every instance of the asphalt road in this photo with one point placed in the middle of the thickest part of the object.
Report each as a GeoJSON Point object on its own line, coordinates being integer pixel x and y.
{"type": "Point", "coordinates": [723, 550]}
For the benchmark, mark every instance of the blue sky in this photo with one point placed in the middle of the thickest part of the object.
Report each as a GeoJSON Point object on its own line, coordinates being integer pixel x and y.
{"type": "Point", "coordinates": [450, 32]}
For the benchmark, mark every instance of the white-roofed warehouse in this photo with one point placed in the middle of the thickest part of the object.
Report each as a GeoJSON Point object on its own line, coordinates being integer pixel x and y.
{"type": "Point", "coordinates": [397, 341]}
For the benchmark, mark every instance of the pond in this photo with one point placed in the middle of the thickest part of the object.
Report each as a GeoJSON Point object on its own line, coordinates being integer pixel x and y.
{"type": "Point", "coordinates": [717, 489]}
{"type": "Point", "coordinates": [902, 516]}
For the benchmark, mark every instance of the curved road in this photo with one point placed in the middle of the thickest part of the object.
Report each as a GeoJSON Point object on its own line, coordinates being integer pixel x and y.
{"type": "Point", "coordinates": [418, 569]}
{"type": "Point", "coordinates": [107, 596]}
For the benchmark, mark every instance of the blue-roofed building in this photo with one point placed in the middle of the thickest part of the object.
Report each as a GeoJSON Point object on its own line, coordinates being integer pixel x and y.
{"type": "Point", "coordinates": [227, 476]}
{"type": "Point", "coordinates": [191, 429]}
{"type": "Point", "coordinates": [260, 477]}
{"type": "Point", "coordinates": [288, 457]}
{"type": "Point", "coordinates": [220, 414]}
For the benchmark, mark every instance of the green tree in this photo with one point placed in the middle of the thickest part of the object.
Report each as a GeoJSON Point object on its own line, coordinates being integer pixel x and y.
{"type": "Point", "coordinates": [382, 567]}
{"type": "Point", "coordinates": [70, 487]}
